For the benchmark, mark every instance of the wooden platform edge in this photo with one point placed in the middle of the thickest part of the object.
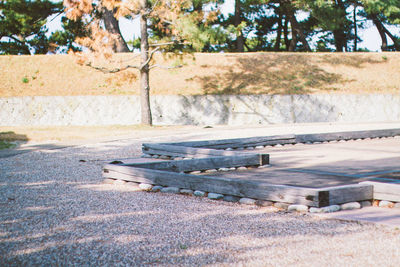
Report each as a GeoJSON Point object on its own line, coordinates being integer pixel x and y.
{"type": "Point", "coordinates": [385, 191]}
{"type": "Point", "coordinates": [184, 151]}
{"type": "Point", "coordinates": [202, 164]}
{"type": "Point", "coordinates": [322, 137]}
{"type": "Point", "coordinates": [279, 193]}
{"type": "Point", "coordinates": [239, 142]}
{"type": "Point", "coordinates": [348, 193]}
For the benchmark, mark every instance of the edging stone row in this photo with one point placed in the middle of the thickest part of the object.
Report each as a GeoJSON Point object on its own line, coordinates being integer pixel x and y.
{"type": "Point", "coordinates": [249, 201]}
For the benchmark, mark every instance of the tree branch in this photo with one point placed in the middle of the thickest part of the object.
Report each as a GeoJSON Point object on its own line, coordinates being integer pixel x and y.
{"type": "Point", "coordinates": [106, 70]}
{"type": "Point", "coordinates": [150, 58]}
{"type": "Point", "coordinates": [164, 67]}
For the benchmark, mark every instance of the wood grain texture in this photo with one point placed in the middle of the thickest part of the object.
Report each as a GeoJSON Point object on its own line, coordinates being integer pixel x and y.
{"type": "Point", "coordinates": [204, 163]}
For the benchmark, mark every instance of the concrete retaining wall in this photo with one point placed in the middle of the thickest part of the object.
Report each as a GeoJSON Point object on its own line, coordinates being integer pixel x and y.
{"type": "Point", "coordinates": [199, 110]}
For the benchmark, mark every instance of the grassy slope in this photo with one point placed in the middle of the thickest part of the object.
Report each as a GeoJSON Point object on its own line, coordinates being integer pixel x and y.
{"type": "Point", "coordinates": [270, 73]}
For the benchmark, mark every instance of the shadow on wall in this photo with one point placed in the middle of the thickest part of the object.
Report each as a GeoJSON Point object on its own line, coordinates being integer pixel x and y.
{"type": "Point", "coordinates": [278, 74]}
{"type": "Point", "coordinates": [243, 109]}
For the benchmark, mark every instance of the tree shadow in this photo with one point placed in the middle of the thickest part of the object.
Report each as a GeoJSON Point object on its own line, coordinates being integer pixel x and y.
{"type": "Point", "coordinates": [356, 61]}
{"type": "Point", "coordinates": [278, 74]}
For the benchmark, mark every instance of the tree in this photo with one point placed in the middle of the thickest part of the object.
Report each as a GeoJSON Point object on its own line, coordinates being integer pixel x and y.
{"type": "Point", "coordinates": [22, 26]}
{"type": "Point", "coordinates": [178, 26]}
{"type": "Point", "coordinates": [112, 26]}
{"type": "Point", "coordinates": [381, 13]}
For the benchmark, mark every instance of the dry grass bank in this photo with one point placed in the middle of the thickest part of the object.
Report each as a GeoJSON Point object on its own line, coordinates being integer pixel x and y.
{"type": "Point", "coordinates": [259, 73]}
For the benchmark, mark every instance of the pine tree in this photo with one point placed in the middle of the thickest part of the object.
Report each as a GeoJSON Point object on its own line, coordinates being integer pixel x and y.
{"type": "Point", "coordinates": [179, 28]}
{"type": "Point", "coordinates": [22, 26]}
{"type": "Point", "coordinates": [381, 13]}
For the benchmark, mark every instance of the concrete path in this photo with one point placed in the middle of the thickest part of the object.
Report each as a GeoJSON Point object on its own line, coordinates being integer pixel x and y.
{"type": "Point", "coordinates": [193, 133]}
{"type": "Point", "coordinates": [386, 216]}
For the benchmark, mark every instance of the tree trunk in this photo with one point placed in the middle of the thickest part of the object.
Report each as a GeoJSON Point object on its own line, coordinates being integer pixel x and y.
{"type": "Point", "coordinates": [296, 31]}
{"type": "Point", "coordinates": [381, 31]}
{"type": "Point", "coordinates": [240, 39]}
{"type": "Point", "coordinates": [278, 34]}
{"type": "Point", "coordinates": [144, 72]}
{"type": "Point", "coordinates": [339, 34]}
{"type": "Point", "coordinates": [286, 34]}
{"type": "Point", "coordinates": [111, 25]}
{"type": "Point", "coordinates": [355, 28]}
{"type": "Point", "coordinates": [395, 40]}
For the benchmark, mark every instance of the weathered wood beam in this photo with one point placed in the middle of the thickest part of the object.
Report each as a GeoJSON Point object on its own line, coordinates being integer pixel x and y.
{"type": "Point", "coordinates": [240, 142]}
{"type": "Point", "coordinates": [349, 193]}
{"type": "Point", "coordinates": [385, 191]}
{"type": "Point", "coordinates": [203, 163]}
{"type": "Point", "coordinates": [227, 186]}
{"type": "Point", "coordinates": [183, 151]}
{"type": "Point", "coordinates": [304, 138]}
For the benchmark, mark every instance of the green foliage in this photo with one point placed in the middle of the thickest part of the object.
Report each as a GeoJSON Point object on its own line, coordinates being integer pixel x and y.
{"type": "Point", "coordinates": [64, 39]}
{"type": "Point", "coordinates": [25, 80]}
{"type": "Point", "coordinates": [22, 25]}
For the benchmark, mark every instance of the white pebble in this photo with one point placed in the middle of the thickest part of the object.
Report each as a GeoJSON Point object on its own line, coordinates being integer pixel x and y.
{"type": "Point", "coordinates": [350, 206]}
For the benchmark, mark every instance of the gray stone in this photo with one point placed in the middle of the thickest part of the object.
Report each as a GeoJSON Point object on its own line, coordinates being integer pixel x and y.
{"type": "Point", "coordinates": [396, 205]}
{"type": "Point", "coordinates": [298, 208]}
{"type": "Point", "coordinates": [211, 170]}
{"type": "Point", "coordinates": [366, 203]}
{"type": "Point", "coordinates": [315, 210]}
{"type": "Point", "coordinates": [145, 187]}
{"type": "Point", "coordinates": [186, 192]}
{"type": "Point", "coordinates": [247, 201]}
{"type": "Point", "coordinates": [170, 189]}
{"type": "Point", "coordinates": [230, 198]}
{"type": "Point", "coordinates": [224, 169]}
{"type": "Point", "coordinates": [165, 157]}
{"type": "Point", "coordinates": [331, 208]}
{"type": "Point", "coordinates": [326, 209]}
{"type": "Point", "coordinates": [195, 172]}
{"type": "Point", "coordinates": [157, 188]}
{"type": "Point", "coordinates": [386, 204]}
{"type": "Point", "coordinates": [215, 196]}
{"type": "Point", "coordinates": [198, 193]}
{"type": "Point", "coordinates": [350, 206]}
{"type": "Point", "coordinates": [281, 205]}
{"type": "Point", "coordinates": [242, 168]}
{"type": "Point", "coordinates": [264, 203]}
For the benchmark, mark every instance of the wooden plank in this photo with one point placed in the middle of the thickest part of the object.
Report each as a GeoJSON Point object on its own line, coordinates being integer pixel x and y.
{"type": "Point", "coordinates": [349, 193]}
{"type": "Point", "coordinates": [204, 163]}
{"type": "Point", "coordinates": [385, 191]}
{"type": "Point", "coordinates": [240, 142]}
{"type": "Point", "coordinates": [386, 196]}
{"type": "Point", "coordinates": [281, 193]}
{"type": "Point", "coordinates": [303, 138]}
{"type": "Point", "coordinates": [183, 151]}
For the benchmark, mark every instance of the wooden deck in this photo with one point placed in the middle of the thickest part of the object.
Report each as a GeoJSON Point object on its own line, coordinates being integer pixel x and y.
{"type": "Point", "coordinates": [192, 164]}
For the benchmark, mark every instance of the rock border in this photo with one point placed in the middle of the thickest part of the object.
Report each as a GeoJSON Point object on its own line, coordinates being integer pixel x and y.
{"type": "Point", "coordinates": [254, 202]}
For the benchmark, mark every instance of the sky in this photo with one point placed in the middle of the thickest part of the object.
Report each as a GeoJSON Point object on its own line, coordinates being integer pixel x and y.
{"type": "Point", "coordinates": [130, 29]}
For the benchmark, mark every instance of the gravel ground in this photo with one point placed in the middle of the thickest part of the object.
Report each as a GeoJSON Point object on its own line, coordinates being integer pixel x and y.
{"type": "Point", "coordinates": [56, 211]}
